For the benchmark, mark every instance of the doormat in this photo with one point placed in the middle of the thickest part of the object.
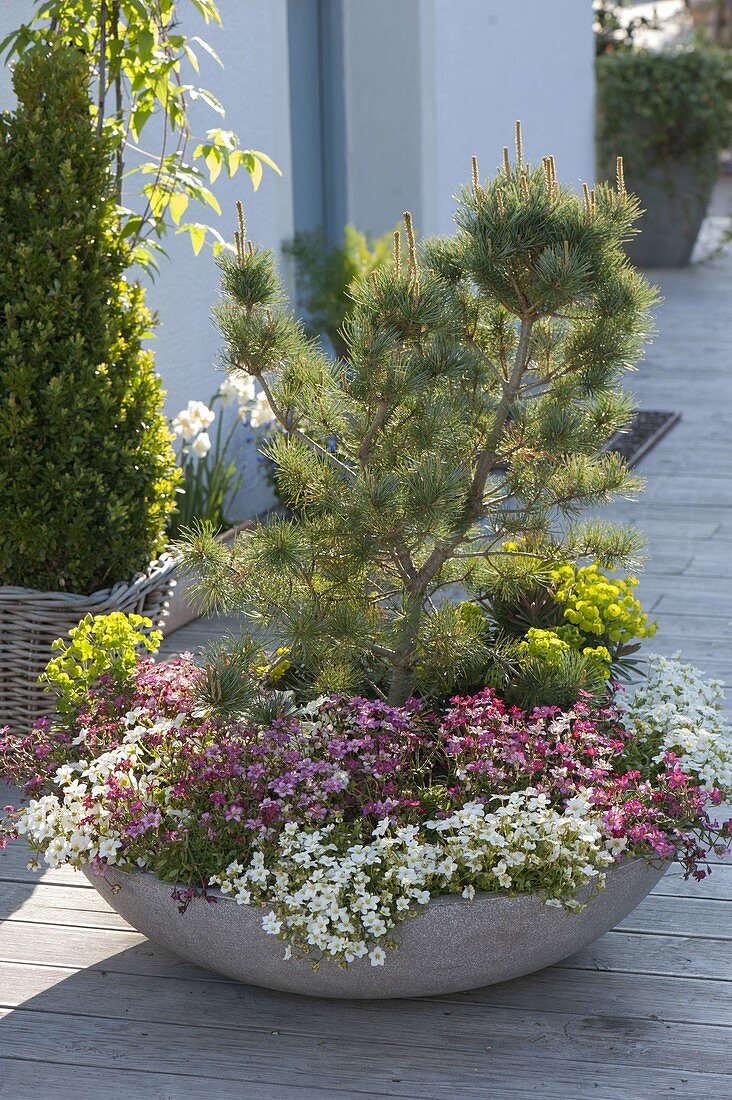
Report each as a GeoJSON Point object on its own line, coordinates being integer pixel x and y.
{"type": "Point", "coordinates": [642, 434]}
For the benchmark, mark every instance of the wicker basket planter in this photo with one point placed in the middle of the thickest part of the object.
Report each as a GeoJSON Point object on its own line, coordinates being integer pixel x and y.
{"type": "Point", "coordinates": [31, 620]}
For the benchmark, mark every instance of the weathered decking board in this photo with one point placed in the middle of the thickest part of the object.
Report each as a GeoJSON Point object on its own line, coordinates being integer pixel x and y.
{"type": "Point", "coordinates": [89, 1008]}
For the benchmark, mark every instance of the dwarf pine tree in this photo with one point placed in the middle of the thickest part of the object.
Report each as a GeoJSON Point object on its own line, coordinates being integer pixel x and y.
{"type": "Point", "coordinates": [455, 446]}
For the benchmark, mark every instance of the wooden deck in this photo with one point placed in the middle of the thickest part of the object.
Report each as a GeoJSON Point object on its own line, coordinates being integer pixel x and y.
{"type": "Point", "coordinates": [91, 1009]}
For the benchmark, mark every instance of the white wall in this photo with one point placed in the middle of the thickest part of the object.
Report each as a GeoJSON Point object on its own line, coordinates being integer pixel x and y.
{"type": "Point", "coordinates": [383, 109]}
{"type": "Point", "coordinates": [12, 14]}
{"type": "Point", "coordinates": [493, 62]}
{"type": "Point", "coordinates": [431, 82]}
{"type": "Point", "coordinates": [254, 89]}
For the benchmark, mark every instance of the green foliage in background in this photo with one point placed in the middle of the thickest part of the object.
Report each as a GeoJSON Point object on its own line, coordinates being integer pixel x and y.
{"type": "Point", "coordinates": [99, 645]}
{"type": "Point", "coordinates": [482, 378]}
{"type": "Point", "coordinates": [87, 472]}
{"type": "Point", "coordinates": [615, 30]}
{"type": "Point", "coordinates": [663, 108]}
{"type": "Point", "coordinates": [325, 274]}
{"type": "Point", "coordinates": [140, 62]}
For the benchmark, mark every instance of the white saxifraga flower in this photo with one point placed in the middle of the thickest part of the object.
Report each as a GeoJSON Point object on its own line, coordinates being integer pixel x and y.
{"type": "Point", "coordinates": [201, 445]}
{"type": "Point", "coordinates": [72, 826]}
{"type": "Point", "coordinates": [677, 706]}
{"type": "Point", "coordinates": [341, 903]}
{"type": "Point", "coordinates": [271, 924]}
{"type": "Point", "coordinates": [108, 848]}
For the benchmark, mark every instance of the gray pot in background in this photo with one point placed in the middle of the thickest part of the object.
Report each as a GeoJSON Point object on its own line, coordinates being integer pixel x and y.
{"type": "Point", "coordinates": [675, 197]}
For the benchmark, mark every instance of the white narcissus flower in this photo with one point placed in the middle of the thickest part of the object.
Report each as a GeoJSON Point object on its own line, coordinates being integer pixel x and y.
{"type": "Point", "coordinates": [184, 426]}
{"type": "Point", "coordinates": [237, 390]}
{"type": "Point", "coordinates": [229, 392]}
{"type": "Point", "coordinates": [201, 445]}
{"type": "Point", "coordinates": [260, 414]}
{"type": "Point", "coordinates": [201, 413]}
{"type": "Point", "coordinates": [195, 418]}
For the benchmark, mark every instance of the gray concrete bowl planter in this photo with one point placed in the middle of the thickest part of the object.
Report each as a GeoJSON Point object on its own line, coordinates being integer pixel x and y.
{"type": "Point", "coordinates": [452, 945]}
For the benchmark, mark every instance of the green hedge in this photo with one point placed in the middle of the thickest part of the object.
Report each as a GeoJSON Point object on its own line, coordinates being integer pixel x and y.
{"type": "Point", "coordinates": [87, 472]}
{"type": "Point", "coordinates": [656, 108]}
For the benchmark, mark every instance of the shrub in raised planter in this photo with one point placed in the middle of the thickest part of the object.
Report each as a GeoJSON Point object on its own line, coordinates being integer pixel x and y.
{"type": "Point", "coordinates": [669, 115]}
{"type": "Point", "coordinates": [87, 472]}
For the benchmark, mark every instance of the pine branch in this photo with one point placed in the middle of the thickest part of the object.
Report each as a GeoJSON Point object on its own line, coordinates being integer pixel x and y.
{"type": "Point", "coordinates": [480, 383]}
{"type": "Point", "coordinates": [296, 433]}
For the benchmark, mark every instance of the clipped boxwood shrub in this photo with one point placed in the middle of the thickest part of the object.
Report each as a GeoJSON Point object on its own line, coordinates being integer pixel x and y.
{"type": "Point", "coordinates": [87, 472]}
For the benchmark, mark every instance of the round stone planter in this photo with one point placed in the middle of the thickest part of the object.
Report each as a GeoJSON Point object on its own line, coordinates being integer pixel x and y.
{"type": "Point", "coordinates": [452, 945]}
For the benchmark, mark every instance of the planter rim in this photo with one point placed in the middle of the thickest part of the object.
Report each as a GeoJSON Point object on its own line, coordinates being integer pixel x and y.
{"type": "Point", "coordinates": [157, 567]}
{"type": "Point", "coordinates": [437, 900]}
